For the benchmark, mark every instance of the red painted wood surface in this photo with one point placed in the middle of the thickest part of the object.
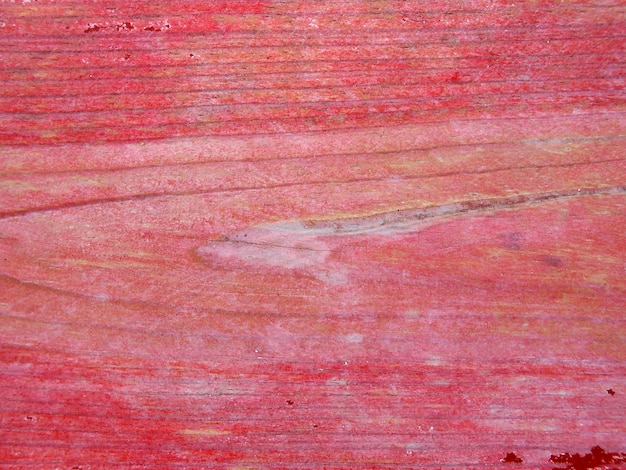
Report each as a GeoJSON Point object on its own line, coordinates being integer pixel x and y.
{"type": "Point", "coordinates": [330, 234]}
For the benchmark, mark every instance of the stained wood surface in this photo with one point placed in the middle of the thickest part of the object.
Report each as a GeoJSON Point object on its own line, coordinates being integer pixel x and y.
{"type": "Point", "coordinates": [333, 234]}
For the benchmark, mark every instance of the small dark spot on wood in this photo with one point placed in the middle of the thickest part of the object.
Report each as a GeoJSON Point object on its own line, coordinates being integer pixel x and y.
{"type": "Point", "coordinates": [289, 402]}
{"type": "Point", "coordinates": [511, 457]}
{"type": "Point", "coordinates": [513, 241]}
{"type": "Point", "coordinates": [92, 28]}
{"type": "Point", "coordinates": [610, 391]}
{"type": "Point", "coordinates": [551, 260]}
{"type": "Point", "coordinates": [155, 29]}
{"type": "Point", "coordinates": [126, 26]}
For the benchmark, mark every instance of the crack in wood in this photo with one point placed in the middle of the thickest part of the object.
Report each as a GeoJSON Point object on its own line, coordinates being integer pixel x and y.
{"type": "Point", "coordinates": [402, 220]}
{"type": "Point", "coordinates": [306, 245]}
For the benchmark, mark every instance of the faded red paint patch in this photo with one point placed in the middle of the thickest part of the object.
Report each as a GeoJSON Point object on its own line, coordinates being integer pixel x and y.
{"type": "Point", "coordinates": [431, 275]}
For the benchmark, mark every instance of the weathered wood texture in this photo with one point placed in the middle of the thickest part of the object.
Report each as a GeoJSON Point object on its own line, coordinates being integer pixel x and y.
{"type": "Point", "coordinates": [312, 234]}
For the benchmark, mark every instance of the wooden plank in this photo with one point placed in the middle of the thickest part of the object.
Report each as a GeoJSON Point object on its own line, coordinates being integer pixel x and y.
{"type": "Point", "coordinates": [271, 234]}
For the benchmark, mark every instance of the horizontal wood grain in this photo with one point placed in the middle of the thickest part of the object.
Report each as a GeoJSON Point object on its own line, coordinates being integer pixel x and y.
{"type": "Point", "coordinates": [268, 234]}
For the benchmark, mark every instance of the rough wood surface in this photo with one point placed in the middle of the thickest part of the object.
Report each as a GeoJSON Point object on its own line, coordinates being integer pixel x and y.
{"type": "Point", "coordinates": [330, 234]}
